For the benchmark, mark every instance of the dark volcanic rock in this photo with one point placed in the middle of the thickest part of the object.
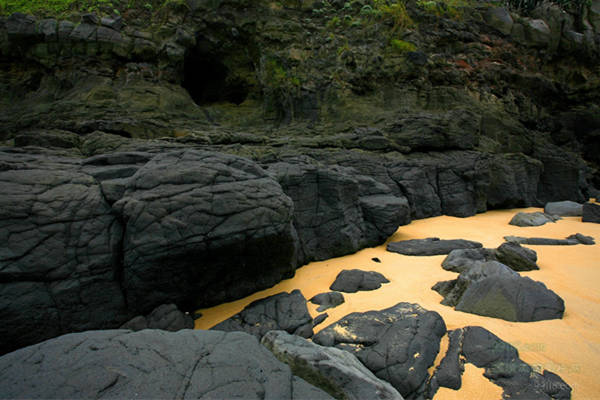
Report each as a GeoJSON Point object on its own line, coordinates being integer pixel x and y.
{"type": "Point", "coordinates": [574, 239]}
{"type": "Point", "coordinates": [283, 311]}
{"type": "Point", "coordinates": [336, 210]}
{"type": "Point", "coordinates": [460, 260]}
{"type": "Point", "coordinates": [565, 208]}
{"type": "Point", "coordinates": [532, 219]}
{"type": "Point", "coordinates": [150, 364]}
{"type": "Point", "coordinates": [430, 246]}
{"type": "Point", "coordinates": [516, 257]}
{"type": "Point", "coordinates": [591, 213]}
{"type": "Point", "coordinates": [335, 371]}
{"type": "Point", "coordinates": [494, 290]}
{"type": "Point", "coordinates": [397, 344]}
{"type": "Point", "coordinates": [191, 215]}
{"type": "Point", "coordinates": [502, 364]}
{"type": "Point", "coordinates": [59, 243]}
{"type": "Point", "coordinates": [166, 317]}
{"type": "Point", "coordinates": [354, 280]}
{"type": "Point", "coordinates": [327, 300]}
{"type": "Point", "coordinates": [504, 367]}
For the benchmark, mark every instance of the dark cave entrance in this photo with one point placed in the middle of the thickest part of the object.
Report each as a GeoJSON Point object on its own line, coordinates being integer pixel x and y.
{"type": "Point", "coordinates": [208, 80]}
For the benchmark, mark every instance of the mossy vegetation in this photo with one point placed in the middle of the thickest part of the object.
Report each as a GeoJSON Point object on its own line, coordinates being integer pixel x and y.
{"type": "Point", "coordinates": [62, 8]}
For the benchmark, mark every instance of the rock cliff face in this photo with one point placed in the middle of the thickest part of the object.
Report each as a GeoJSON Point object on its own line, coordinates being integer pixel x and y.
{"type": "Point", "coordinates": [202, 151]}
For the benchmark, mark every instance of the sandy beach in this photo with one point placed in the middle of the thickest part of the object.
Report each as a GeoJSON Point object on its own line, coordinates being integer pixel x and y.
{"type": "Point", "coordinates": [569, 347]}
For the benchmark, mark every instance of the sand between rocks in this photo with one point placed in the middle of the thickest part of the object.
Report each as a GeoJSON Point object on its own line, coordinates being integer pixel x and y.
{"type": "Point", "coordinates": [569, 347]}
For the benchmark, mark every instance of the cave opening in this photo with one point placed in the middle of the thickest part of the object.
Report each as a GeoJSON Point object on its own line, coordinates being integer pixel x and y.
{"type": "Point", "coordinates": [208, 80]}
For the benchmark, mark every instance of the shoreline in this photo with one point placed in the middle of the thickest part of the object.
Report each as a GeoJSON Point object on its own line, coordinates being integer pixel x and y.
{"type": "Point", "coordinates": [569, 347]}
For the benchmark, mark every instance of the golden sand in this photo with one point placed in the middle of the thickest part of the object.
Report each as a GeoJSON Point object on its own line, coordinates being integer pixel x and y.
{"type": "Point", "coordinates": [569, 347]}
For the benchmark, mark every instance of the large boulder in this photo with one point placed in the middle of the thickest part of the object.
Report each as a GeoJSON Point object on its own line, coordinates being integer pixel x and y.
{"type": "Point", "coordinates": [336, 210]}
{"type": "Point", "coordinates": [59, 246]}
{"type": "Point", "coordinates": [565, 208]}
{"type": "Point", "coordinates": [336, 371]}
{"type": "Point", "coordinates": [397, 344]}
{"type": "Point", "coordinates": [516, 257]}
{"type": "Point", "coordinates": [150, 364]}
{"type": "Point", "coordinates": [283, 311]}
{"type": "Point", "coordinates": [494, 290]}
{"type": "Point", "coordinates": [591, 212]}
{"type": "Point", "coordinates": [532, 219]}
{"type": "Point", "coordinates": [499, 19]}
{"type": "Point", "coordinates": [201, 228]}
{"type": "Point", "coordinates": [430, 246]}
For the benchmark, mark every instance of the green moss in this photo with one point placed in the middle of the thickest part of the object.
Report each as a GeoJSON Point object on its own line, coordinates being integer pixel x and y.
{"type": "Point", "coordinates": [62, 8]}
{"type": "Point", "coordinates": [402, 46]}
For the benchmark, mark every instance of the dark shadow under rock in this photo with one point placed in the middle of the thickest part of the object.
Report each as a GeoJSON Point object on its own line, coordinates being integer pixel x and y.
{"type": "Point", "coordinates": [335, 371]}
{"type": "Point", "coordinates": [283, 311]}
{"type": "Point", "coordinates": [532, 219]}
{"type": "Point", "coordinates": [166, 317]}
{"type": "Point", "coordinates": [397, 344]}
{"type": "Point", "coordinates": [502, 364]}
{"type": "Point", "coordinates": [494, 290]}
{"type": "Point", "coordinates": [327, 300]}
{"type": "Point", "coordinates": [354, 280]}
{"type": "Point", "coordinates": [150, 364]}
{"type": "Point", "coordinates": [430, 246]}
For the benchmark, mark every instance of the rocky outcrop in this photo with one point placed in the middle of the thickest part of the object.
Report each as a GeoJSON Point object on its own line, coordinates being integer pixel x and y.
{"type": "Point", "coordinates": [150, 364]}
{"type": "Point", "coordinates": [166, 317]}
{"type": "Point", "coordinates": [189, 215]}
{"type": "Point", "coordinates": [283, 311]}
{"type": "Point", "coordinates": [591, 212]}
{"type": "Point", "coordinates": [571, 240]}
{"type": "Point", "coordinates": [502, 365]}
{"type": "Point", "coordinates": [397, 344]}
{"type": "Point", "coordinates": [354, 280]}
{"type": "Point", "coordinates": [338, 372]}
{"type": "Point", "coordinates": [336, 210]}
{"type": "Point", "coordinates": [509, 253]}
{"type": "Point", "coordinates": [494, 290]}
{"type": "Point", "coordinates": [430, 246]}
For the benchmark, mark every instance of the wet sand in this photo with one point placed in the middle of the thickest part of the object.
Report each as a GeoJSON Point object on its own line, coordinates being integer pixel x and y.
{"type": "Point", "coordinates": [569, 347]}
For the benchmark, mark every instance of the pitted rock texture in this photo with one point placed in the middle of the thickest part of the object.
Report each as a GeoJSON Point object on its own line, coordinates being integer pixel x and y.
{"type": "Point", "coordinates": [430, 246]}
{"type": "Point", "coordinates": [336, 371]}
{"type": "Point", "coordinates": [354, 280]}
{"type": "Point", "coordinates": [189, 216]}
{"type": "Point", "coordinates": [283, 311]}
{"type": "Point", "coordinates": [150, 364]}
{"type": "Point", "coordinates": [476, 345]}
{"type": "Point", "coordinates": [397, 344]}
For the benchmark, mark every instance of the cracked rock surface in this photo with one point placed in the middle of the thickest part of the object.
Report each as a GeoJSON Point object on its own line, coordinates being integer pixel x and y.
{"type": "Point", "coordinates": [150, 364]}
{"type": "Point", "coordinates": [397, 344]}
